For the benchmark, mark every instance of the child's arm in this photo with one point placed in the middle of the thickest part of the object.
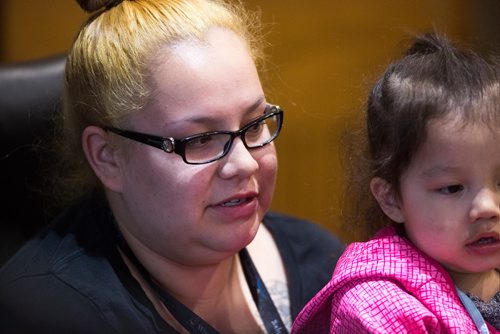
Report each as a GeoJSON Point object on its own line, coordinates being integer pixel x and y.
{"type": "Point", "coordinates": [380, 307]}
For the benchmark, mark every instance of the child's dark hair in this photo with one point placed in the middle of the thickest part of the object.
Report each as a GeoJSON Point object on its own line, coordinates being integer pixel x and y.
{"type": "Point", "coordinates": [434, 79]}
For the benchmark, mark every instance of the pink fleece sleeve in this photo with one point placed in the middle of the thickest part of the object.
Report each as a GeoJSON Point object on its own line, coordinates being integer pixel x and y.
{"type": "Point", "coordinates": [379, 307]}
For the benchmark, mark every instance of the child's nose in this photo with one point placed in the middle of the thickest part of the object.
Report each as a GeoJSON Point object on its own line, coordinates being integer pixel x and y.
{"type": "Point", "coordinates": [486, 205]}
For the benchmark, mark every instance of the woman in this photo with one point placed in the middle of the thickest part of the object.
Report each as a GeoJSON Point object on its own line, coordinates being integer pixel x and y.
{"type": "Point", "coordinates": [168, 132]}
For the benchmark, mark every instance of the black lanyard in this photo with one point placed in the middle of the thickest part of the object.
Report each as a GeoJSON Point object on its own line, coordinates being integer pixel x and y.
{"type": "Point", "coordinates": [195, 324]}
{"type": "Point", "coordinates": [267, 309]}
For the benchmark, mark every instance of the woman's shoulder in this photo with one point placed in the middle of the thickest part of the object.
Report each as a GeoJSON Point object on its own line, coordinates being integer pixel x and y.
{"type": "Point", "coordinates": [71, 277]}
{"type": "Point", "coordinates": [74, 234]}
{"type": "Point", "coordinates": [49, 262]}
{"type": "Point", "coordinates": [44, 284]}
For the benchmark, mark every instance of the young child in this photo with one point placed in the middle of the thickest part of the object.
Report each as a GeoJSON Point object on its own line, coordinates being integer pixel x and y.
{"type": "Point", "coordinates": [433, 132]}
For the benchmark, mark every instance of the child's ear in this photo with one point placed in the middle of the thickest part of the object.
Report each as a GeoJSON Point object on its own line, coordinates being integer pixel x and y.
{"type": "Point", "coordinates": [101, 156]}
{"type": "Point", "coordinates": [387, 198]}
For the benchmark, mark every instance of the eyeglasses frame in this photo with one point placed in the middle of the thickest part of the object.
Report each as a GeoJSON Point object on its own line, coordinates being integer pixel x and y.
{"type": "Point", "coordinates": [177, 145]}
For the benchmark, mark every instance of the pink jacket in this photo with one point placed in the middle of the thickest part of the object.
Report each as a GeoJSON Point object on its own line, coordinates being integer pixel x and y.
{"type": "Point", "coordinates": [386, 285]}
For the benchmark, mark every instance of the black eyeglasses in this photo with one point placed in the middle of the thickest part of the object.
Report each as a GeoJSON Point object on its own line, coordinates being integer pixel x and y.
{"type": "Point", "coordinates": [203, 148]}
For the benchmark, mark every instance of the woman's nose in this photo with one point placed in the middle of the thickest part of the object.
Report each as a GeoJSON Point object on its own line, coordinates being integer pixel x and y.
{"type": "Point", "coordinates": [486, 205]}
{"type": "Point", "coordinates": [239, 161]}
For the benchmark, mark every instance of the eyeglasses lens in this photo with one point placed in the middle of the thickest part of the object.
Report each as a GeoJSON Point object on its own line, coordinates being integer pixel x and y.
{"type": "Point", "coordinates": [209, 147]}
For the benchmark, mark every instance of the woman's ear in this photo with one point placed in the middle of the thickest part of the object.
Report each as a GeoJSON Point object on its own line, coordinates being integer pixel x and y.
{"type": "Point", "coordinates": [102, 156]}
{"type": "Point", "coordinates": [387, 199]}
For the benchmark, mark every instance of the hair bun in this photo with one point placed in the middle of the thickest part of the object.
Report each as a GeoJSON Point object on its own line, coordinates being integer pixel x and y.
{"type": "Point", "coordinates": [93, 5]}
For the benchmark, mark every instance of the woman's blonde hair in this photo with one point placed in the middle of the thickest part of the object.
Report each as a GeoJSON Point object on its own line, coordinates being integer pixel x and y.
{"type": "Point", "coordinates": [107, 73]}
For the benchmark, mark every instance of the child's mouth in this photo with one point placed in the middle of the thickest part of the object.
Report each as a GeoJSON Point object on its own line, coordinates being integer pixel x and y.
{"type": "Point", "coordinates": [485, 241]}
{"type": "Point", "coordinates": [486, 245]}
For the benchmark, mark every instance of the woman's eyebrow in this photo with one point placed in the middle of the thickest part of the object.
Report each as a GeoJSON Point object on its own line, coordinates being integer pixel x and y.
{"type": "Point", "coordinates": [207, 119]}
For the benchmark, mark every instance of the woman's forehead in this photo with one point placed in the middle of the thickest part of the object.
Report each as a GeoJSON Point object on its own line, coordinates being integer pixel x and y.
{"type": "Point", "coordinates": [200, 76]}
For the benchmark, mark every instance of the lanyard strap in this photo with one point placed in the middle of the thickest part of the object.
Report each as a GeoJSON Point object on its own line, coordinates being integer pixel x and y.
{"type": "Point", "coordinates": [194, 323]}
{"type": "Point", "coordinates": [267, 310]}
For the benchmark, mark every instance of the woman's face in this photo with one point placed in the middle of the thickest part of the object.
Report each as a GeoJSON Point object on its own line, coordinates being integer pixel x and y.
{"type": "Point", "coordinates": [197, 214]}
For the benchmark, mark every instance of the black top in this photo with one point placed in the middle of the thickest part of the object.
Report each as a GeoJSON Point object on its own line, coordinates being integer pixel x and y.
{"type": "Point", "coordinates": [71, 278]}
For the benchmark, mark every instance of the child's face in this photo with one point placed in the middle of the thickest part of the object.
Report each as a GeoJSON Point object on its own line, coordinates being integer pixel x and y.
{"type": "Point", "coordinates": [450, 197]}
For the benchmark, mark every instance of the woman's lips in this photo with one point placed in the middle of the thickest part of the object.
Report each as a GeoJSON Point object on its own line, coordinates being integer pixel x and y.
{"type": "Point", "coordinates": [242, 206]}
{"type": "Point", "coordinates": [236, 201]}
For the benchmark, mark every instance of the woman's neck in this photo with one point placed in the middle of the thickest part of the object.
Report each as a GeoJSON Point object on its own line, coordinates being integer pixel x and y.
{"type": "Point", "coordinates": [483, 285]}
{"type": "Point", "coordinates": [211, 291]}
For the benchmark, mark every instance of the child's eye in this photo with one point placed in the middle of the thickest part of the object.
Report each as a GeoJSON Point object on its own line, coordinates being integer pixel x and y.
{"type": "Point", "coordinates": [448, 190]}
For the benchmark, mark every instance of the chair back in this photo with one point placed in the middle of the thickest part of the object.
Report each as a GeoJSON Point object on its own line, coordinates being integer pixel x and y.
{"type": "Point", "coordinates": [30, 95]}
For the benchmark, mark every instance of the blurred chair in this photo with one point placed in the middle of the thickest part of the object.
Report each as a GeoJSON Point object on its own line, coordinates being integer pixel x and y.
{"type": "Point", "coordinates": [30, 94]}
